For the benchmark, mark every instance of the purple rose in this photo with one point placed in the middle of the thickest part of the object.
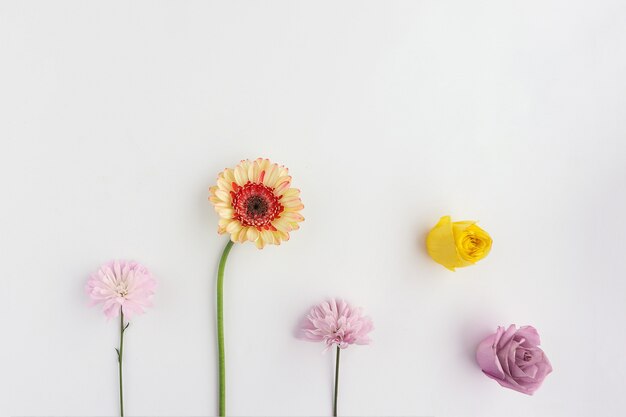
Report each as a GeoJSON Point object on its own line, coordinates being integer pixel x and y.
{"type": "Point", "coordinates": [513, 359]}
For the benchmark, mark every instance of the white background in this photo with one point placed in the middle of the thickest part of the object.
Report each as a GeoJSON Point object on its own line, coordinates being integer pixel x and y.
{"type": "Point", "coordinates": [116, 117]}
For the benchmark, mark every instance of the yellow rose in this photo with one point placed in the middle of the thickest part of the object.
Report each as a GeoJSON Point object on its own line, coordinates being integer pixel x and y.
{"type": "Point", "coordinates": [458, 244]}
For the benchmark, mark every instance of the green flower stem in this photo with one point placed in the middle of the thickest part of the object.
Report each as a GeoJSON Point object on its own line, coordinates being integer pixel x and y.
{"type": "Point", "coordinates": [220, 327]}
{"type": "Point", "coordinates": [120, 353]}
{"type": "Point", "coordinates": [336, 383]}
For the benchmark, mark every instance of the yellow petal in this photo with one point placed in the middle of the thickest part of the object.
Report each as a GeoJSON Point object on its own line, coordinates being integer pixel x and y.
{"type": "Point", "coordinates": [243, 235]}
{"type": "Point", "coordinates": [254, 171]}
{"type": "Point", "coordinates": [271, 175]}
{"type": "Point", "coordinates": [222, 195]}
{"type": "Point", "coordinates": [293, 216]}
{"type": "Point", "coordinates": [226, 213]}
{"type": "Point", "coordinates": [283, 171]}
{"type": "Point", "coordinates": [286, 200]}
{"type": "Point", "coordinates": [234, 237]}
{"type": "Point", "coordinates": [292, 192]}
{"type": "Point", "coordinates": [233, 227]}
{"type": "Point", "coordinates": [472, 242]}
{"type": "Point", "coordinates": [282, 186]}
{"type": "Point", "coordinates": [294, 206]}
{"type": "Point", "coordinates": [267, 236]}
{"type": "Point", "coordinates": [441, 245]}
{"type": "Point", "coordinates": [223, 225]}
{"type": "Point", "coordinates": [264, 163]}
{"type": "Point", "coordinates": [252, 234]}
{"type": "Point", "coordinates": [224, 185]}
{"type": "Point", "coordinates": [219, 204]}
{"type": "Point", "coordinates": [229, 175]}
{"type": "Point", "coordinates": [282, 224]}
{"type": "Point", "coordinates": [241, 175]}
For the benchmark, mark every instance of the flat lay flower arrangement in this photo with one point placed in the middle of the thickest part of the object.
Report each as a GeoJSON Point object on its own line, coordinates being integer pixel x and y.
{"type": "Point", "coordinates": [256, 203]}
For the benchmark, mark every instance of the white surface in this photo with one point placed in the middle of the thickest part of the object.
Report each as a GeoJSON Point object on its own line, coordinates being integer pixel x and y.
{"type": "Point", "coordinates": [117, 117]}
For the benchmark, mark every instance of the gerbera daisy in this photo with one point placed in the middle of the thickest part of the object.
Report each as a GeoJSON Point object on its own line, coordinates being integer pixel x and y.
{"type": "Point", "coordinates": [256, 203]}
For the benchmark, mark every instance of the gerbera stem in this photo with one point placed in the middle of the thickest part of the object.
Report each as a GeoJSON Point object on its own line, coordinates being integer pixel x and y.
{"type": "Point", "coordinates": [120, 353]}
{"type": "Point", "coordinates": [336, 383]}
{"type": "Point", "coordinates": [220, 328]}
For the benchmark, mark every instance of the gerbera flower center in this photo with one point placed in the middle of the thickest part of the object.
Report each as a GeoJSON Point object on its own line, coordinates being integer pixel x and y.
{"type": "Point", "coordinates": [255, 205]}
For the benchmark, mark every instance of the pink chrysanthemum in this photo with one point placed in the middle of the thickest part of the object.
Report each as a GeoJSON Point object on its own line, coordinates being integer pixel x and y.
{"type": "Point", "coordinates": [124, 285]}
{"type": "Point", "coordinates": [335, 322]}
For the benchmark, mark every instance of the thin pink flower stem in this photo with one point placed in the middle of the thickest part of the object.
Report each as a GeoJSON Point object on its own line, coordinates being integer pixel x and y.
{"type": "Point", "coordinates": [120, 353]}
{"type": "Point", "coordinates": [336, 383]}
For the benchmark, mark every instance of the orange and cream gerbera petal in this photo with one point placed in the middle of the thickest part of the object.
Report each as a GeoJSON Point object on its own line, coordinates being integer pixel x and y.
{"type": "Point", "coordinates": [256, 203]}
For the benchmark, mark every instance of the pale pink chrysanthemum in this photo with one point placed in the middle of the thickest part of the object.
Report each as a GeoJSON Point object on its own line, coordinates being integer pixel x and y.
{"type": "Point", "coordinates": [125, 285]}
{"type": "Point", "coordinates": [335, 322]}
